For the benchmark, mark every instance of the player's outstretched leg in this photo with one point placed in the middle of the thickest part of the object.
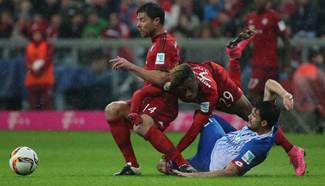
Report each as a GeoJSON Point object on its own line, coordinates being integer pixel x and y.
{"type": "Point", "coordinates": [162, 144]}
{"type": "Point", "coordinates": [236, 47]}
{"type": "Point", "coordinates": [297, 158]}
{"type": "Point", "coordinates": [144, 126]}
{"type": "Point", "coordinates": [295, 153]}
{"type": "Point", "coordinates": [234, 50]}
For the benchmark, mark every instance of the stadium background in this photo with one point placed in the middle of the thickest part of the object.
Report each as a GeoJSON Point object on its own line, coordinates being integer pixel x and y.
{"type": "Point", "coordinates": [85, 33]}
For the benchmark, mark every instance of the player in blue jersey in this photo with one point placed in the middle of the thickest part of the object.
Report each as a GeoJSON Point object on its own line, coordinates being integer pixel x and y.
{"type": "Point", "coordinates": [223, 151]}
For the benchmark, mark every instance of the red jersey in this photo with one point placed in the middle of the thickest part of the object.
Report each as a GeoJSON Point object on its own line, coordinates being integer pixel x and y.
{"type": "Point", "coordinates": [215, 86]}
{"type": "Point", "coordinates": [161, 106]}
{"type": "Point", "coordinates": [268, 26]}
{"type": "Point", "coordinates": [216, 89]}
{"type": "Point", "coordinates": [163, 54]}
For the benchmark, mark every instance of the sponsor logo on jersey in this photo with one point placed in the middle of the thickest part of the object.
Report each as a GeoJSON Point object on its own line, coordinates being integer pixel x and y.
{"type": "Point", "coordinates": [248, 157]}
{"type": "Point", "coordinates": [160, 58]}
{"type": "Point", "coordinates": [205, 106]}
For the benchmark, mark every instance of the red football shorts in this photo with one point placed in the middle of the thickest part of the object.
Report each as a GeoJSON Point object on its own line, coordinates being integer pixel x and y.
{"type": "Point", "coordinates": [259, 77]}
{"type": "Point", "coordinates": [163, 109]}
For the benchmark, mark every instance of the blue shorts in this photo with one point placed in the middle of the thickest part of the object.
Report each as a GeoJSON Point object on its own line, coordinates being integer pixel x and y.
{"type": "Point", "coordinates": [212, 131]}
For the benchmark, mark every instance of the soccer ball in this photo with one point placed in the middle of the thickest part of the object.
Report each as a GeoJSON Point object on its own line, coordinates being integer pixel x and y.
{"type": "Point", "coordinates": [23, 160]}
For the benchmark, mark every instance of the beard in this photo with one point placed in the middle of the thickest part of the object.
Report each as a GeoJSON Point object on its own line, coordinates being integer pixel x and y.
{"type": "Point", "coordinates": [145, 34]}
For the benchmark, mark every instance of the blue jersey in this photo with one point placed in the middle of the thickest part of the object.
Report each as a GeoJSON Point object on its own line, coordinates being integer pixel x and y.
{"type": "Point", "coordinates": [244, 147]}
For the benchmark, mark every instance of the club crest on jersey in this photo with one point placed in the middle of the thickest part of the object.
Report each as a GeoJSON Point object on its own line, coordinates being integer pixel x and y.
{"type": "Point", "coordinates": [265, 21]}
{"type": "Point", "coordinates": [205, 107]}
{"type": "Point", "coordinates": [248, 157]}
{"type": "Point", "coordinates": [160, 58]}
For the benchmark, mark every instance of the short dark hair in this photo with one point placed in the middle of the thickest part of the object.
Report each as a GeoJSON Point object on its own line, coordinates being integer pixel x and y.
{"type": "Point", "coordinates": [269, 112]}
{"type": "Point", "coordinates": [153, 10]}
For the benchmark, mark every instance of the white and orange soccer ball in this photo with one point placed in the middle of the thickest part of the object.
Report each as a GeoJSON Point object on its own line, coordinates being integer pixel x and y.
{"type": "Point", "coordinates": [23, 160]}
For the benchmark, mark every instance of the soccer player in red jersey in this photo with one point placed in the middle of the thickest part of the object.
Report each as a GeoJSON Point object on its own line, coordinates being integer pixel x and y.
{"type": "Point", "coordinates": [209, 85]}
{"type": "Point", "coordinates": [268, 26]}
{"type": "Point", "coordinates": [157, 112]}
{"type": "Point", "coordinates": [265, 64]}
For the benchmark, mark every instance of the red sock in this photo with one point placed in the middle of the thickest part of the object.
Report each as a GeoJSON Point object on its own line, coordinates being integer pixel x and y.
{"type": "Point", "coordinates": [234, 71]}
{"type": "Point", "coordinates": [282, 140]}
{"type": "Point", "coordinates": [161, 143]}
{"type": "Point", "coordinates": [121, 133]}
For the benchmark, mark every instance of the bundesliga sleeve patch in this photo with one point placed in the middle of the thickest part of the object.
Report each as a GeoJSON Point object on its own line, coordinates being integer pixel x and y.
{"type": "Point", "coordinates": [205, 107]}
{"type": "Point", "coordinates": [281, 25]}
{"type": "Point", "coordinates": [160, 59]}
{"type": "Point", "coordinates": [248, 157]}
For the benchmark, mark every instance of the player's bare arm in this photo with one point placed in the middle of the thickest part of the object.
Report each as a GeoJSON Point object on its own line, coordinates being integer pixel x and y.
{"type": "Point", "coordinates": [274, 89]}
{"type": "Point", "coordinates": [230, 170]}
{"type": "Point", "coordinates": [155, 77]}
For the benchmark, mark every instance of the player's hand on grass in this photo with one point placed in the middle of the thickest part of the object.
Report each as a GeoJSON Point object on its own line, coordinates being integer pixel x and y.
{"type": "Point", "coordinates": [121, 63]}
{"type": "Point", "coordinates": [184, 174]}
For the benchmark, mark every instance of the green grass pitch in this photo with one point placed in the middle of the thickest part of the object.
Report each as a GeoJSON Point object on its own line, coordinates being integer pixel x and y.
{"type": "Point", "coordinates": [90, 158]}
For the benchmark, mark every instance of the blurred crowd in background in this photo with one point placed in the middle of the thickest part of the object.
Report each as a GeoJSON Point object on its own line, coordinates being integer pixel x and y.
{"type": "Point", "coordinates": [117, 18]}
{"type": "Point", "coordinates": [87, 85]}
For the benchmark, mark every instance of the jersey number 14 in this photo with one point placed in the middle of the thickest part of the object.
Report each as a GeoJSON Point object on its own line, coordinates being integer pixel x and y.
{"type": "Point", "coordinates": [150, 109]}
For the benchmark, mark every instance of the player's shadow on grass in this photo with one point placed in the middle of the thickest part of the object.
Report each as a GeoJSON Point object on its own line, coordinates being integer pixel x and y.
{"type": "Point", "coordinates": [268, 175]}
{"type": "Point", "coordinates": [153, 175]}
{"type": "Point", "coordinates": [276, 175]}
